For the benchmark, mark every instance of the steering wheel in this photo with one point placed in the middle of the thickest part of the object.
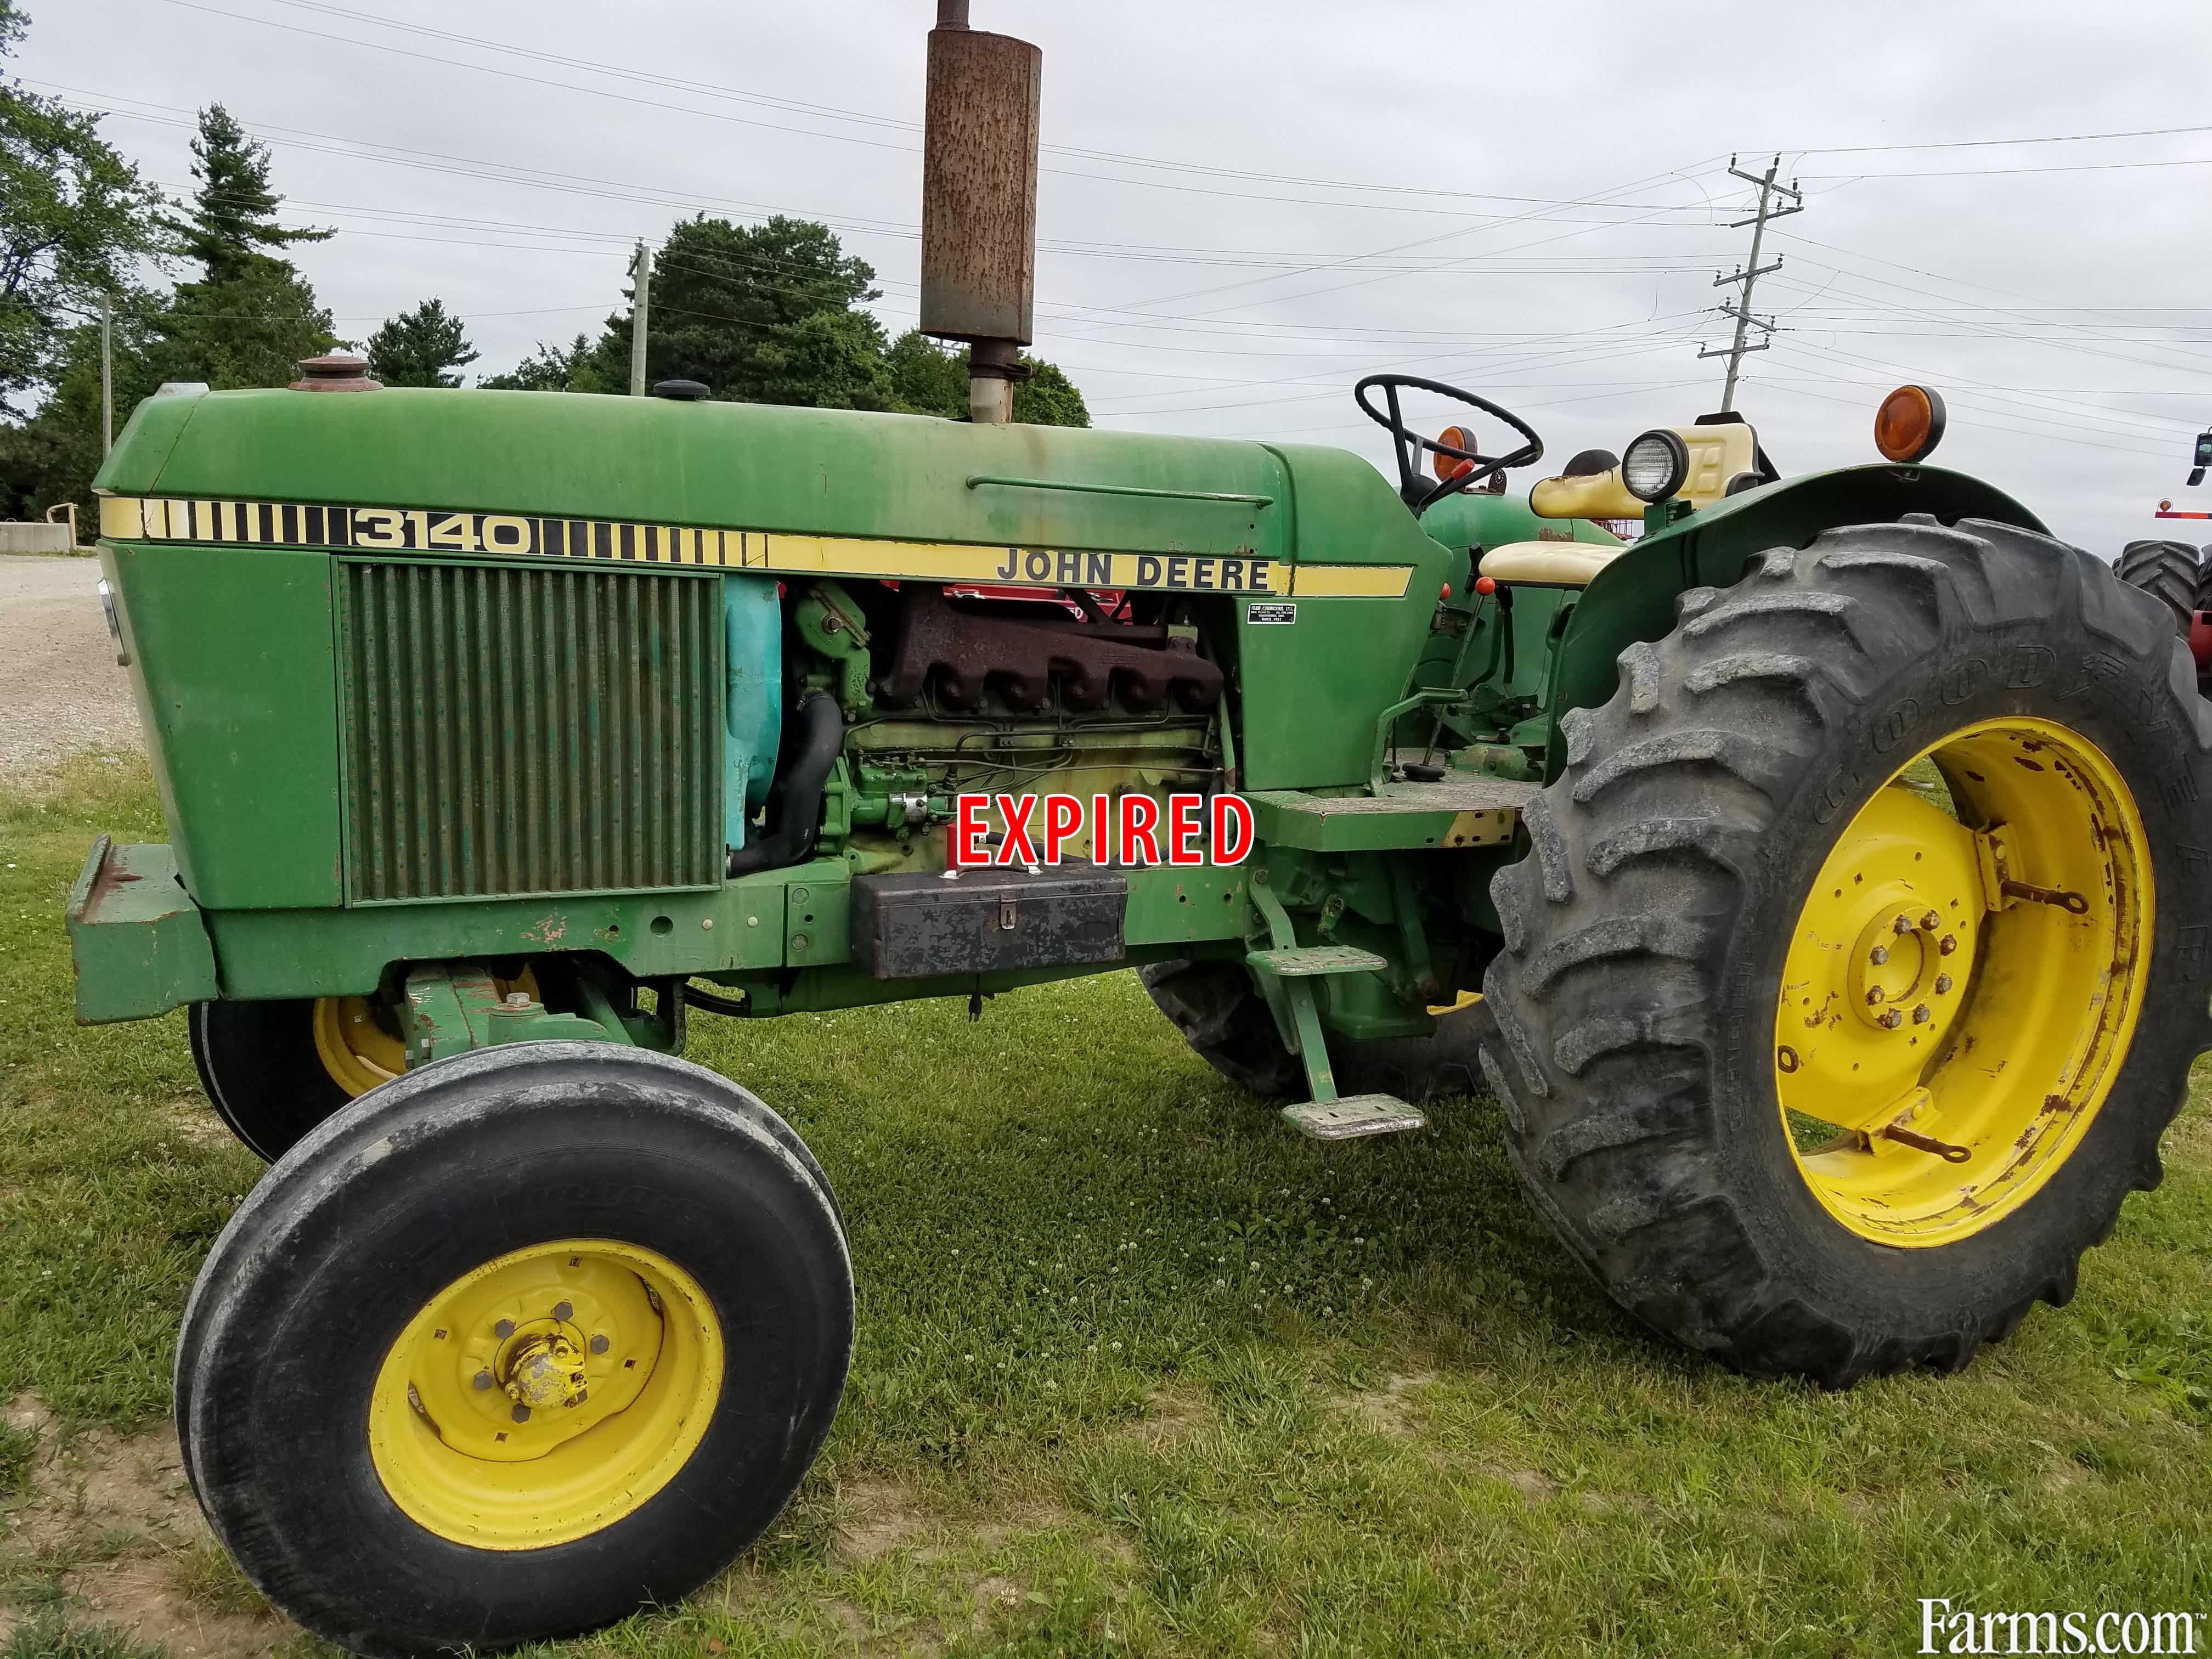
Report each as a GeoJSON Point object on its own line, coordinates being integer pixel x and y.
{"type": "Point", "coordinates": [1408, 444]}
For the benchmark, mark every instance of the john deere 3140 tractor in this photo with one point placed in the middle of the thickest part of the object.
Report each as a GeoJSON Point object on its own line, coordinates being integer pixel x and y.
{"type": "Point", "coordinates": [1830, 863]}
{"type": "Point", "coordinates": [1830, 860]}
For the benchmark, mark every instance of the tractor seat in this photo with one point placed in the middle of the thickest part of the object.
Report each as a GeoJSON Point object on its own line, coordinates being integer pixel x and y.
{"type": "Point", "coordinates": [1548, 564]}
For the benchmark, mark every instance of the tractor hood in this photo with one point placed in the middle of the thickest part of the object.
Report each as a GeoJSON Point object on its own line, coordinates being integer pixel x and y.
{"type": "Point", "coordinates": [752, 466]}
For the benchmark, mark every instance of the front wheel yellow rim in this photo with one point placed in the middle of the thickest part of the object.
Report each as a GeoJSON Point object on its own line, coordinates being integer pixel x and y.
{"type": "Point", "coordinates": [546, 1394]}
{"type": "Point", "coordinates": [1962, 985]}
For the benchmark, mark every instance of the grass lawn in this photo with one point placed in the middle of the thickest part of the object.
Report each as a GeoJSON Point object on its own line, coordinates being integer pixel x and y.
{"type": "Point", "coordinates": [1140, 1370]}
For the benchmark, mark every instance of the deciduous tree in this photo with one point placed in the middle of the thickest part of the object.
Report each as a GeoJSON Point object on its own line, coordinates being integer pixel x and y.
{"type": "Point", "coordinates": [74, 220]}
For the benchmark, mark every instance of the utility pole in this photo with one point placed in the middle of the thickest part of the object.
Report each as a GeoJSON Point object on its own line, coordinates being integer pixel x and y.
{"type": "Point", "coordinates": [640, 276]}
{"type": "Point", "coordinates": [106, 375]}
{"type": "Point", "coordinates": [1747, 275]}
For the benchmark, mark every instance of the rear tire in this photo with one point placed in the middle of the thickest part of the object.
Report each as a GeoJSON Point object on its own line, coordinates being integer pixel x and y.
{"type": "Point", "coordinates": [325, 1405]}
{"type": "Point", "coordinates": [259, 1067]}
{"type": "Point", "coordinates": [1227, 1023]}
{"type": "Point", "coordinates": [1642, 1043]}
{"type": "Point", "coordinates": [2166, 569]}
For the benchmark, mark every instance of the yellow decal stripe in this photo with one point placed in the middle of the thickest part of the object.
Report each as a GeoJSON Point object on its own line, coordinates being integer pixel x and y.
{"type": "Point", "coordinates": [1351, 581]}
{"type": "Point", "coordinates": [122, 518]}
{"type": "Point", "coordinates": [405, 529]}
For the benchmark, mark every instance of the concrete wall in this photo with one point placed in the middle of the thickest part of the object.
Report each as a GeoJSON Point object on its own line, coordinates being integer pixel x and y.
{"type": "Point", "coordinates": [34, 538]}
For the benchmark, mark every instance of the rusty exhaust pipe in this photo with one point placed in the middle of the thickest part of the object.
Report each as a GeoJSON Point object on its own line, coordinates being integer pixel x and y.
{"type": "Point", "coordinates": [978, 176]}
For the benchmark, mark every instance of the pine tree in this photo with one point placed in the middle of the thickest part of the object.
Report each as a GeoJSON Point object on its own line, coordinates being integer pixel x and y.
{"type": "Point", "coordinates": [253, 317]}
{"type": "Point", "coordinates": [233, 220]}
{"type": "Point", "coordinates": [418, 347]}
{"type": "Point", "coordinates": [251, 331]}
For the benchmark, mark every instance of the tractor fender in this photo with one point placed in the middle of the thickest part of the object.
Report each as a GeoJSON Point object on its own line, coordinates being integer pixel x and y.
{"type": "Point", "coordinates": [1632, 598]}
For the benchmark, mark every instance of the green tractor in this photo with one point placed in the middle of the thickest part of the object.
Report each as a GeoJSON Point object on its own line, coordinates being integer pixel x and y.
{"type": "Point", "coordinates": [1817, 882]}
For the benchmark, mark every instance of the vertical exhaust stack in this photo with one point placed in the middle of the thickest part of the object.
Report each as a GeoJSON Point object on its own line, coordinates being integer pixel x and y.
{"type": "Point", "coordinates": [979, 173]}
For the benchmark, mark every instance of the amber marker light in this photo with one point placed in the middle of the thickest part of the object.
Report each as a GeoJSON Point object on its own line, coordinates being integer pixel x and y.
{"type": "Point", "coordinates": [1451, 466]}
{"type": "Point", "coordinates": [1908, 425]}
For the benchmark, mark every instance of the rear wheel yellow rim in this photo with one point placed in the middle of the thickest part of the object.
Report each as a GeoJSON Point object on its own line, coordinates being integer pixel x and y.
{"type": "Point", "coordinates": [357, 1052]}
{"type": "Point", "coordinates": [546, 1394]}
{"type": "Point", "coordinates": [1962, 986]}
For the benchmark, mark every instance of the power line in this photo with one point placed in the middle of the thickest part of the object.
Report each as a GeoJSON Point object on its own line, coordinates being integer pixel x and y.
{"type": "Point", "coordinates": [574, 184]}
{"type": "Point", "coordinates": [1997, 173]}
{"type": "Point", "coordinates": [1991, 143]}
{"type": "Point", "coordinates": [663, 106]}
{"type": "Point", "coordinates": [1992, 332]}
{"type": "Point", "coordinates": [2074, 441]}
{"type": "Point", "coordinates": [582, 185]}
{"type": "Point", "coordinates": [833, 112]}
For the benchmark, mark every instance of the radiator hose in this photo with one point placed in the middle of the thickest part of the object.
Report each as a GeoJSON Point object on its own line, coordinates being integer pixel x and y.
{"type": "Point", "coordinates": [795, 803]}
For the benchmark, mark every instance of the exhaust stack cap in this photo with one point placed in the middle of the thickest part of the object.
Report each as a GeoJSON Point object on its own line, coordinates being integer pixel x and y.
{"type": "Point", "coordinates": [340, 371]}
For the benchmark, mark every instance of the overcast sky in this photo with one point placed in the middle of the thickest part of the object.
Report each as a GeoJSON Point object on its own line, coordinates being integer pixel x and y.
{"type": "Point", "coordinates": [1244, 207]}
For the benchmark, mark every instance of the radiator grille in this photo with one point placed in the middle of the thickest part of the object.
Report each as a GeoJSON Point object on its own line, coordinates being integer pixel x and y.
{"type": "Point", "coordinates": [514, 730]}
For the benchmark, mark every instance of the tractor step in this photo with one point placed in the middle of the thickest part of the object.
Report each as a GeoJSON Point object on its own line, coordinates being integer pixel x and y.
{"type": "Point", "coordinates": [1356, 1115]}
{"type": "Point", "coordinates": [1300, 961]}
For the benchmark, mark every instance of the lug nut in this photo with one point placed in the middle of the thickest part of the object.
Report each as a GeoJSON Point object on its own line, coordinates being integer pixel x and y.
{"type": "Point", "coordinates": [1946, 945]}
{"type": "Point", "coordinates": [483, 1380]}
{"type": "Point", "coordinates": [1929, 921]}
{"type": "Point", "coordinates": [1942, 984]}
{"type": "Point", "coordinates": [1879, 954]}
{"type": "Point", "coordinates": [1902, 925]}
{"type": "Point", "coordinates": [1873, 994]}
{"type": "Point", "coordinates": [504, 1329]}
{"type": "Point", "coordinates": [561, 1310]}
{"type": "Point", "coordinates": [1921, 1016]}
{"type": "Point", "coordinates": [521, 1413]}
{"type": "Point", "coordinates": [599, 1345]}
{"type": "Point", "coordinates": [1892, 1019]}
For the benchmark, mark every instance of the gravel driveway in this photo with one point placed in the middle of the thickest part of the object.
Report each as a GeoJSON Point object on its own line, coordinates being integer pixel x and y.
{"type": "Point", "coordinates": [61, 691]}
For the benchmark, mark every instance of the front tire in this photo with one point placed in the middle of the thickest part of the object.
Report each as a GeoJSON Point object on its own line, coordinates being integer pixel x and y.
{"type": "Point", "coordinates": [512, 1346]}
{"type": "Point", "coordinates": [1744, 900]}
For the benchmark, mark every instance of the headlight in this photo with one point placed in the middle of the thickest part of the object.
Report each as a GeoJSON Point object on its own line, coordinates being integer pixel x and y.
{"type": "Point", "coordinates": [1654, 465]}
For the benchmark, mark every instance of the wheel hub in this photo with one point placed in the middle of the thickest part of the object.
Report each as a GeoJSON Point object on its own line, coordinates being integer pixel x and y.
{"type": "Point", "coordinates": [544, 1393]}
{"type": "Point", "coordinates": [547, 1370]}
{"type": "Point", "coordinates": [1861, 1010]}
{"type": "Point", "coordinates": [1956, 994]}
